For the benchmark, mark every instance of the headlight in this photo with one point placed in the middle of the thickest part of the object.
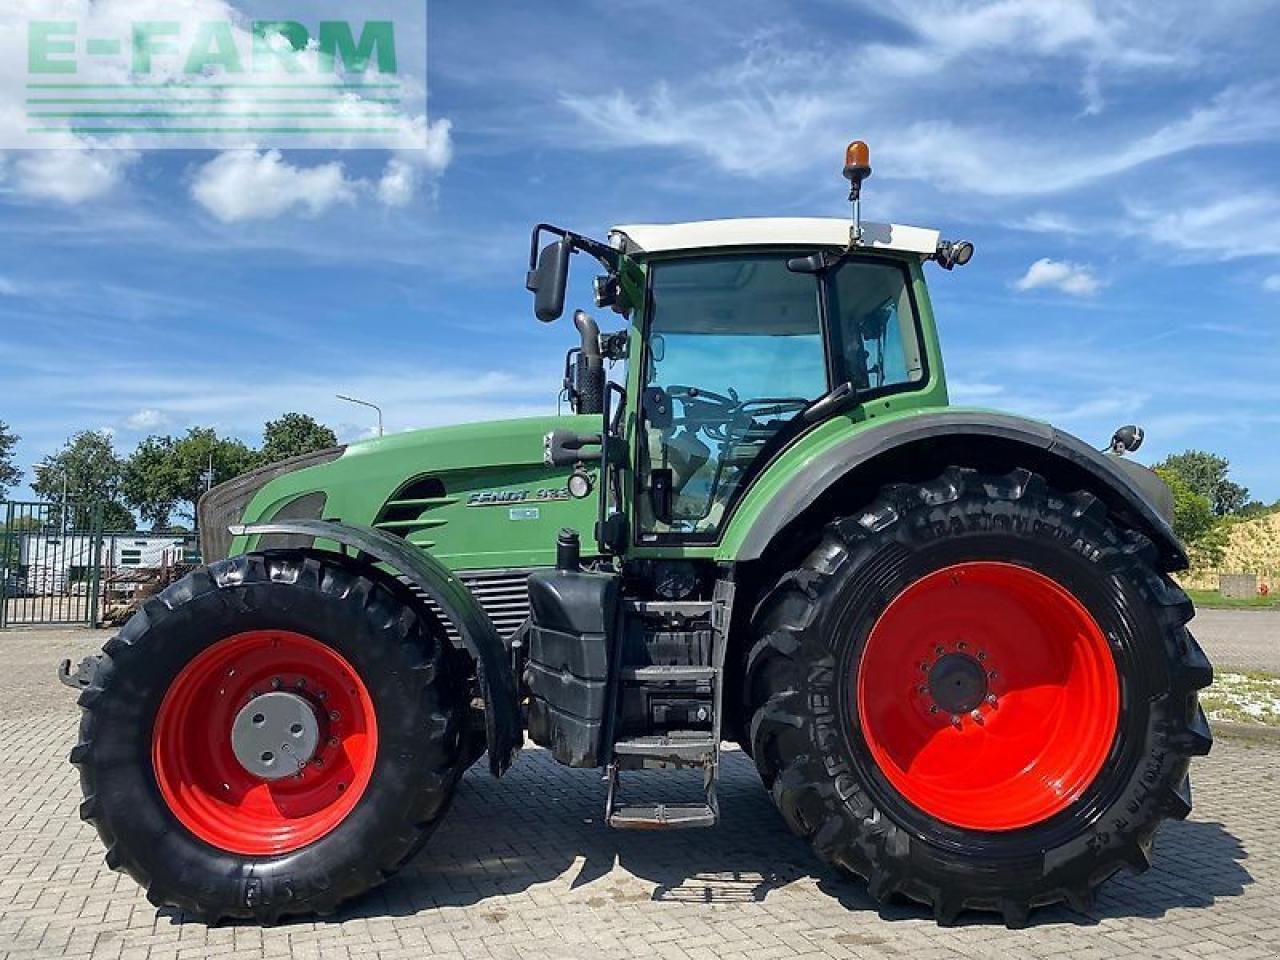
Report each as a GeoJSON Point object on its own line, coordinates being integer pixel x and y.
{"type": "Point", "coordinates": [225, 504]}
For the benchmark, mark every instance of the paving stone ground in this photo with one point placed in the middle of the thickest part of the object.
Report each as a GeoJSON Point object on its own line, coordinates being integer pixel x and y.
{"type": "Point", "coordinates": [523, 868]}
{"type": "Point", "coordinates": [1240, 639]}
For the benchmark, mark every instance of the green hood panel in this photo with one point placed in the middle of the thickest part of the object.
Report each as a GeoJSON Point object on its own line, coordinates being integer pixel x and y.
{"type": "Point", "coordinates": [478, 496]}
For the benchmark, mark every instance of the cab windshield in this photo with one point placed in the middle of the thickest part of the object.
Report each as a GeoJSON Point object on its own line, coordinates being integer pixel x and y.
{"type": "Point", "coordinates": [737, 351]}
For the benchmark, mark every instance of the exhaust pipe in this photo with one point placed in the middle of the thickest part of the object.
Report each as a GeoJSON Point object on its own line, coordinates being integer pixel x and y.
{"type": "Point", "coordinates": [590, 368]}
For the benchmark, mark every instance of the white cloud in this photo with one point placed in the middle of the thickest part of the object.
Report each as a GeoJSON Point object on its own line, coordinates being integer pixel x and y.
{"type": "Point", "coordinates": [942, 106]}
{"type": "Point", "coordinates": [1271, 283]}
{"type": "Point", "coordinates": [69, 176]}
{"type": "Point", "coordinates": [8, 288]}
{"type": "Point", "coordinates": [146, 419]}
{"type": "Point", "coordinates": [398, 184]}
{"type": "Point", "coordinates": [972, 392]}
{"type": "Point", "coordinates": [1226, 226]}
{"type": "Point", "coordinates": [404, 171]}
{"type": "Point", "coordinates": [242, 185]}
{"type": "Point", "coordinates": [1049, 222]}
{"type": "Point", "coordinates": [1075, 279]}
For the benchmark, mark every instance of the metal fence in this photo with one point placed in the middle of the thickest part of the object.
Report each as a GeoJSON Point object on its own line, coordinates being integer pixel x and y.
{"type": "Point", "coordinates": [58, 566]}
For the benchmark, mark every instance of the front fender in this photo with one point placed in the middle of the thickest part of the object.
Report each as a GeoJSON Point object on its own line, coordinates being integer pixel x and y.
{"type": "Point", "coordinates": [1118, 483]}
{"type": "Point", "coordinates": [497, 684]}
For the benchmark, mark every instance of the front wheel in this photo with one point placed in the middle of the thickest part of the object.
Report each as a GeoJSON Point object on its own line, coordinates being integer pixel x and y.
{"type": "Point", "coordinates": [269, 736]}
{"type": "Point", "coordinates": [979, 692]}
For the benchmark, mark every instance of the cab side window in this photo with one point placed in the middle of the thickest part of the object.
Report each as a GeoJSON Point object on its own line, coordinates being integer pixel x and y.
{"type": "Point", "coordinates": [874, 326]}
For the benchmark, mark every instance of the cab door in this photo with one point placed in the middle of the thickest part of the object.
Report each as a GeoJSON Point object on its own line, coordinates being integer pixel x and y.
{"type": "Point", "coordinates": [735, 351]}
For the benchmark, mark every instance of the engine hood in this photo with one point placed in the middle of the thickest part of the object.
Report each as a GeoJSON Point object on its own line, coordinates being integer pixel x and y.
{"type": "Point", "coordinates": [478, 496]}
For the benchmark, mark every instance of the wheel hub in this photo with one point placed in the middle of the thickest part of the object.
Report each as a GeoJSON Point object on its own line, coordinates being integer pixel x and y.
{"type": "Point", "coordinates": [264, 742]}
{"type": "Point", "coordinates": [275, 735]}
{"type": "Point", "coordinates": [958, 683]}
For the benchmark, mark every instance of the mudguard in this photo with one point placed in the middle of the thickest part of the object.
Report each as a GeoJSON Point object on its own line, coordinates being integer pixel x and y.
{"type": "Point", "coordinates": [1124, 486]}
{"type": "Point", "coordinates": [497, 684]}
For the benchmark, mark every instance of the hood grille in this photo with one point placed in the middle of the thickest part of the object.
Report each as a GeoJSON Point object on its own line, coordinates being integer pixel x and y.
{"type": "Point", "coordinates": [408, 513]}
{"type": "Point", "coordinates": [504, 595]}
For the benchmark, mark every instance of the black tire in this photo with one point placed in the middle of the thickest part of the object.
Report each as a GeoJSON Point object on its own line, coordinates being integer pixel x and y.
{"type": "Point", "coordinates": [813, 756]}
{"type": "Point", "coordinates": [407, 669]}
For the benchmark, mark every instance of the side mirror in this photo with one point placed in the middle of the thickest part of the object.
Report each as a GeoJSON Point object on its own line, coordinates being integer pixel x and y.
{"type": "Point", "coordinates": [658, 347]}
{"type": "Point", "coordinates": [549, 279]}
{"type": "Point", "coordinates": [1126, 440]}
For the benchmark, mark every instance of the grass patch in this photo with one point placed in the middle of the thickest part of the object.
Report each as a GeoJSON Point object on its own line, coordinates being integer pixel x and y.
{"type": "Point", "coordinates": [1213, 600]}
{"type": "Point", "coordinates": [1244, 698]}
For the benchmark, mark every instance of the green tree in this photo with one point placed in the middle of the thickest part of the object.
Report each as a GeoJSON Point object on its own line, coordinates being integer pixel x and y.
{"type": "Point", "coordinates": [167, 474]}
{"type": "Point", "coordinates": [150, 480]}
{"type": "Point", "coordinates": [293, 435]}
{"type": "Point", "coordinates": [1203, 533]}
{"type": "Point", "coordinates": [9, 472]}
{"type": "Point", "coordinates": [1206, 474]}
{"type": "Point", "coordinates": [88, 473]}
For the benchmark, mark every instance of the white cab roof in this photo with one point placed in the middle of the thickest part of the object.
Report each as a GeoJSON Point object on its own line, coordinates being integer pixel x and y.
{"type": "Point", "coordinates": [770, 231]}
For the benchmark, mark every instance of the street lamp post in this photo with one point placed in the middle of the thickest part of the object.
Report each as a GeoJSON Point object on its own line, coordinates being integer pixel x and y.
{"type": "Point", "coordinates": [364, 403]}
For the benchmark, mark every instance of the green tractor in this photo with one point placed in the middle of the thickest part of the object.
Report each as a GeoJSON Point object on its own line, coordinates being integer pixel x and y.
{"type": "Point", "coordinates": [948, 638]}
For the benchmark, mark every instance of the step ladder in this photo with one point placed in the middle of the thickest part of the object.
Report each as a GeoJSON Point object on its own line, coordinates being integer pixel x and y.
{"type": "Point", "coordinates": [673, 749]}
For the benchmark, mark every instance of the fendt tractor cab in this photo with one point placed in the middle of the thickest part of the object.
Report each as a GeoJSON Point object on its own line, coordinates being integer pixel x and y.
{"type": "Point", "coordinates": [947, 638]}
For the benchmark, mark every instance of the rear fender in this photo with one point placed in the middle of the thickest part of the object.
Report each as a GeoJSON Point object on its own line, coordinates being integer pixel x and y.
{"type": "Point", "coordinates": [1131, 491]}
{"type": "Point", "coordinates": [479, 637]}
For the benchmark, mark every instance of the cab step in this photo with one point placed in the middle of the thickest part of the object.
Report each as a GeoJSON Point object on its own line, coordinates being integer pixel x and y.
{"type": "Point", "coordinates": [663, 816]}
{"type": "Point", "coordinates": [690, 748]}
{"type": "Point", "coordinates": [679, 704]}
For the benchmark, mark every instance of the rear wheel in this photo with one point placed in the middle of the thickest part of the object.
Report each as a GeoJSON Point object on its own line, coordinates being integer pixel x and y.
{"type": "Point", "coordinates": [978, 693]}
{"type": "Point", "coordinates": [270, 736]}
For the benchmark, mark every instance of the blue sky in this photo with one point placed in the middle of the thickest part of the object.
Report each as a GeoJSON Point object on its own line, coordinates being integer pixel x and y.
{"type": "Point", "coordinates": [1115, 165]}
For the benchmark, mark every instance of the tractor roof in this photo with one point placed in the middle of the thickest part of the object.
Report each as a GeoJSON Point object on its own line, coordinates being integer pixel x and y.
{"type": "Point", "coordinates": [771, 231]}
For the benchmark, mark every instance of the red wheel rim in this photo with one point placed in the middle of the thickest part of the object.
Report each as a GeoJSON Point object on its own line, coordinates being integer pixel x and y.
{"type": "Point", "coordinates": [1030, 662]}
{"type": "Point", "coordinates": [208, 789]}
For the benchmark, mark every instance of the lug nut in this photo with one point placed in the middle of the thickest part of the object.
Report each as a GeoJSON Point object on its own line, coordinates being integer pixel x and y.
{"type": "Point", "coordinates": [955, 720]}
{"type": "Point", "coordinates": [933, 708]}
{"type": "Point", "coordinates": [977, 717]}
{"type": "Point", "coordinates": [991, 699]}
{"type": "Point", "coordinates": [333, 741]}
{"type": "Point", "coordinates": [275, 683]}
{"type": "Point", "coordinates": [323, 695]}
{"type": "Point", "coordinates": [333, 715]}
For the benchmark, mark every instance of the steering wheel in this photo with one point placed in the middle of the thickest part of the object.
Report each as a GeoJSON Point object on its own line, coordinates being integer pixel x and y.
{"type": "Point", "coordinates": [704, 406]}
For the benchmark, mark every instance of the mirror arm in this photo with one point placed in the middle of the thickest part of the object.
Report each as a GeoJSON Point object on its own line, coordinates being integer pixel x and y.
{"type": "Point", "coordinates": [607, 256]}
